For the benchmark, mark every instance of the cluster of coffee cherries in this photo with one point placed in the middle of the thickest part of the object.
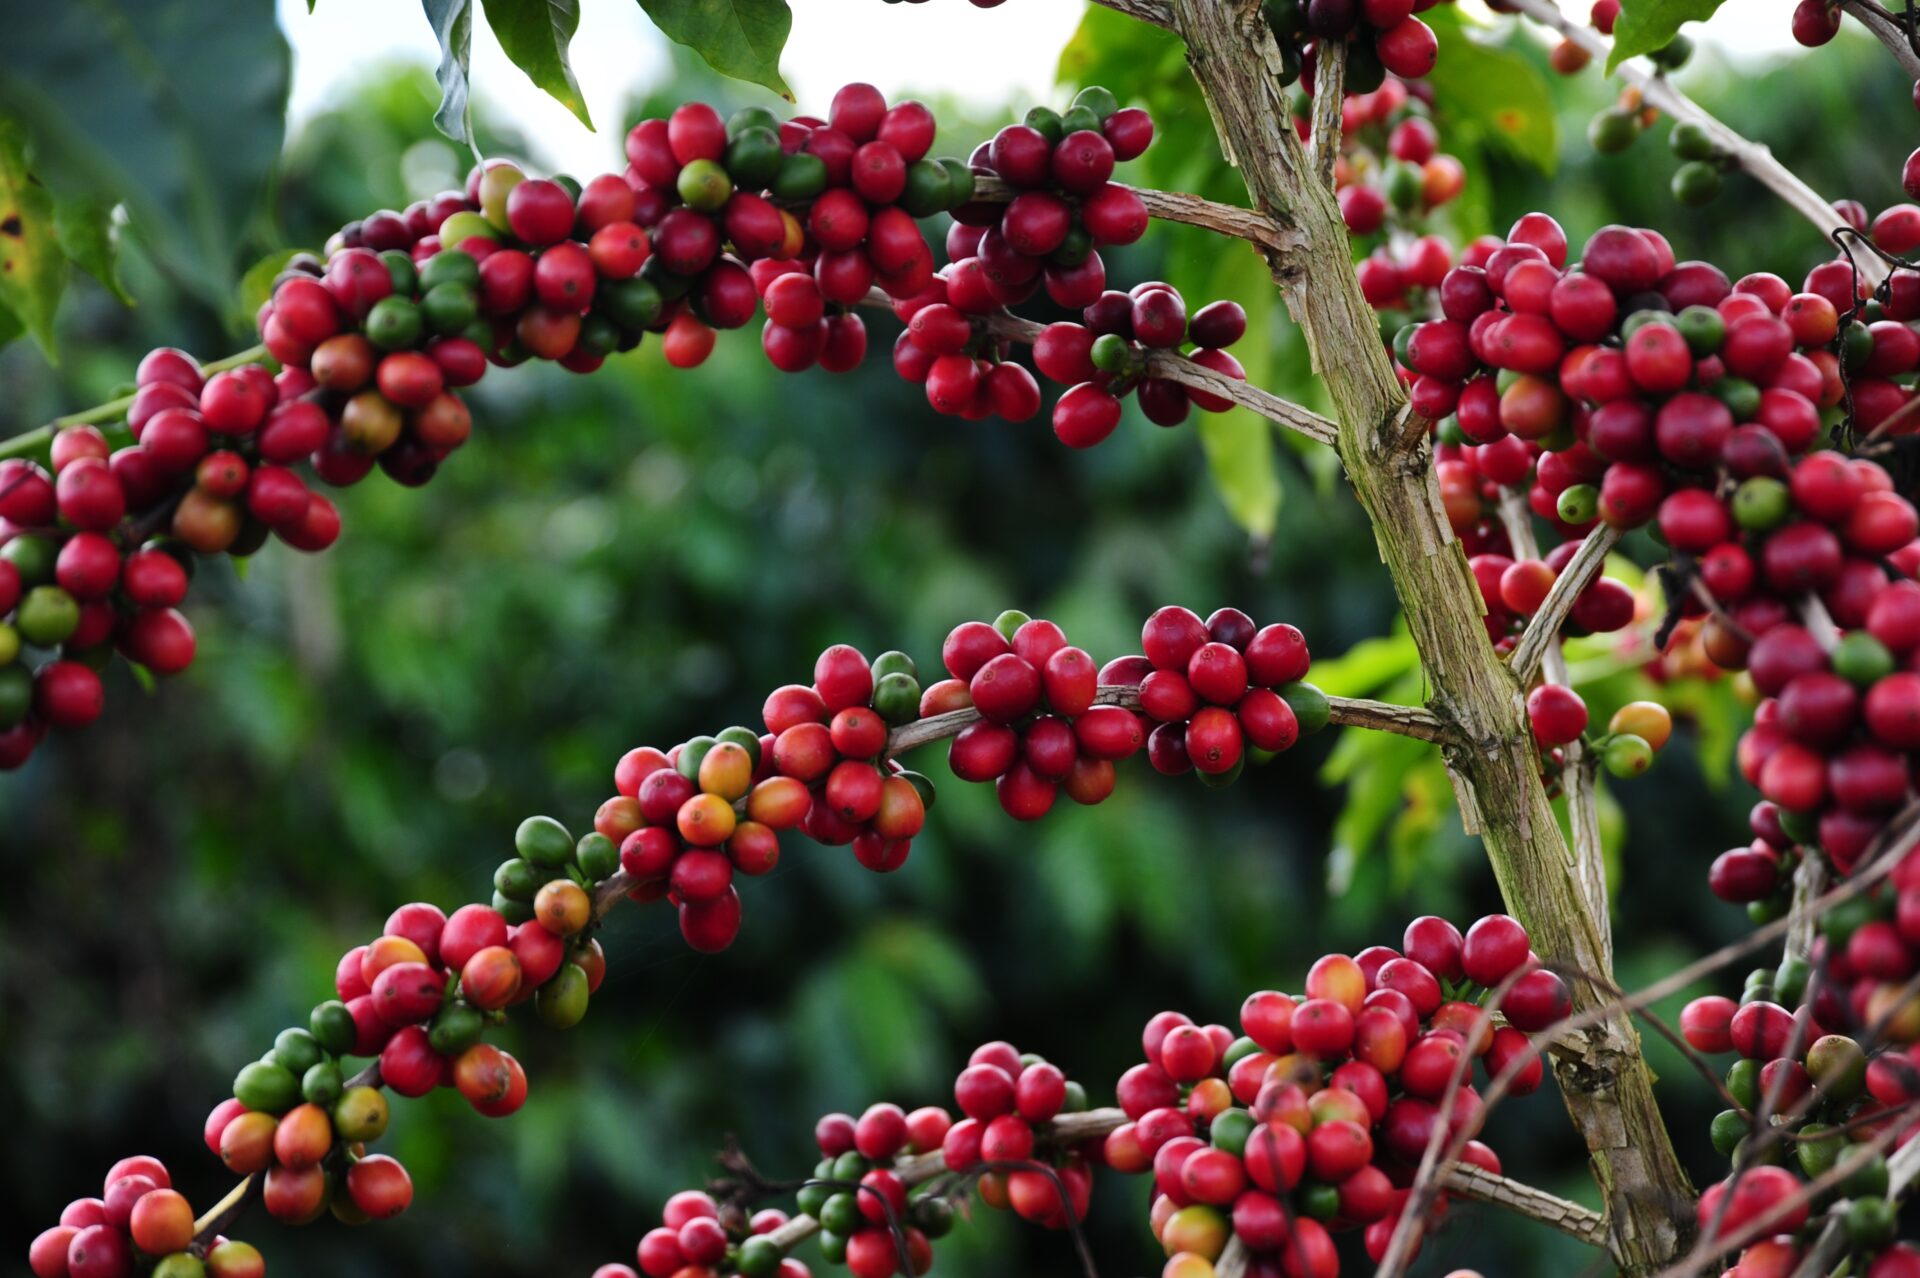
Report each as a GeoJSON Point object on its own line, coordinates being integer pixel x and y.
{"type": "Point", "coordinates": [686, 820]}
{"type": "Point", "coordinates": [1209, 694]}
{"type": "Point", "coordinates": [1067, 208]}
{"type": "Point", "coordinates": [700, 1236]}
{"type": "Point", "coordinates": [1830, 1077]}
{"type": "Point", "coordinates": [879, 1197]}
{"type": "Point", "coordinates": [98, 552]}
{"type": "Point", "coordinates": [1661, 394]}
{"type": "Point", "coordinates": [1315, 1116]}
{"type": "Point", "coordinates": [376, 338]}
{"type": "Point", "coordinates": [861, 1190]}
{"type": "Point", "coordinates": [1008, 1099]}
{"type": "Point", "coordinates": [807, 215]}
{"type": "Point", "coordinates": [1030, 713]}
{"type": "Point", "coordinates": [141, 1223]}
{"type": "Point", "coordinates": [1108, 355]}
{"type": "Point", "coordinates": [1867, 950]}
{"type": "Point", "coordinates": [1392, 175]}
{"type": "Point", "coordinates": [1374, 37]}
{"type": "Point", "coordinates": [1558, 716]}
{"type": "Point", "coordinates": [415, 1003]}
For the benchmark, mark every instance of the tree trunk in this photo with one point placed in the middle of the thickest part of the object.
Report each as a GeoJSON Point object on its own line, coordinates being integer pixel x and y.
{"type": "Point", "coordinates": [1606, 1085]}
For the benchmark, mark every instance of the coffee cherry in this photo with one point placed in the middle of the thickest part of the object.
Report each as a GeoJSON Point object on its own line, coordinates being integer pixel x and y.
{"type": "Point", "coordinates": [1556, 714]}
{"type": "Point", "coordinates": [1493, 948]}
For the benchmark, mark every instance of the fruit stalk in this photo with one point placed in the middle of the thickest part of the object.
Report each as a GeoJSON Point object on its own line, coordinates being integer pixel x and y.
{"type": "Point", "coordinates": [1174, 206]}
{"type": "Point", "coordinates": [1175, 367]}
{"type": "Point", "coordinates": [1540, 646]}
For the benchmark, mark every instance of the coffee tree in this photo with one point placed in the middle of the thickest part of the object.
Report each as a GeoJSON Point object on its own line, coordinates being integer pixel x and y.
{"type": "Point", "coordinates": [1520, 418]}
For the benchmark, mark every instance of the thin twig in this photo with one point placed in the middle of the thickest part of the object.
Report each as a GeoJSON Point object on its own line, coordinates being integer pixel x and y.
{"type": "Point", "coordinates": [1465, 1180]}
{"type": "Point", "coordinates": [1660, 92]}
{"type": "Point", "coordinates": [222, 1213]}
{"type": "Point", "coordinates": [1177, 206]}
{"type": "Point", "coordinates": [1578, 777]}
{"type": "Point", "coordinates": [1177, 368]}
{"type": "Point", "coordinates": [1067, 1129]}
{"type": "Point", "coordinates": [1546, 623]}
{"type": "Point", "coordinates": [1887, 31]}
{"type": "Point", "coordinates": [1355, 712]}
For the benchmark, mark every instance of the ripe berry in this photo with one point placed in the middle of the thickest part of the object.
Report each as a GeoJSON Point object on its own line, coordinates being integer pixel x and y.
{"type": "Point", "coordinates": [1494, 946]}
{"type": "Point", "coordinates": [1556, 714]}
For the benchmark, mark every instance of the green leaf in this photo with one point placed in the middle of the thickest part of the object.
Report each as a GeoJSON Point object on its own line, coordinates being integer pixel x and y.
{"type": "Point", "coordinates": [452, 22]}
{"type": "Point", "coordinates": [33, 271]}
{"type": "Point", "coordinates": [1492, 92]}
{"type": "Point", "coordinates": [1239, 443]}
{"type": "Point", "coordinates": [256, 286]}
{"type": "Point", "coordinates": [1368, 666]}
{"type": "Point", "coordinates": [739, 38]}
{"type": "Point", "coordinates": [1240, 453]}
{"type": "Point", "coordinates": [85, 228]}
{"type": "Point", "coordinates": [535, 35]}
{"type": "Point", "coordinates": [1646, 25]}
{"type": "Point", "coordinates": [174, 108]}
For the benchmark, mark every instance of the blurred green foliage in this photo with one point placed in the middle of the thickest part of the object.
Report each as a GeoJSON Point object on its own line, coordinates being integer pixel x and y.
{"type": "Point", "coordinates": [640, 555]}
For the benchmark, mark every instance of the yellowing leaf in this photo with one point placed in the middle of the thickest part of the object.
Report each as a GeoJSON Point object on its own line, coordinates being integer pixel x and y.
{"type": "Point", "coordinates": [33, 271]}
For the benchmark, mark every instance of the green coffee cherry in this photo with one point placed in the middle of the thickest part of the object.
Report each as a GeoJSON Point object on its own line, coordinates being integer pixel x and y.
{"type": "Point", "coordinates": [271, 1089]}
{"type": "Point", "coordinates": [1703, 328]}
{"type": "Point", "coordinates": [754, 157]}
{"type": "Point", "coordinates": [298, 1050]}
{"type": "Point", "coordinates": [1627, 756]}
{"type": "Point", "coordinates": [1696, 183]}
{"type": "Point", "coordinates": [1578, 503]}
{"type": "Point", "coordinates": [1861, 659]}
{"type": "Point", "coordinates": [841, 1215]}
{"type": "Point", "coordinates": [360, 1114]}
{"type": "Point", "coordinates": [16, 694]}
{"type": "Point", "coordinates": [562, 1001]}
{"type": "Point", "coordinates": [46, 616]}
{"type": "Point", "coordinates": [393, 324]}
{"type": "Point", "coordinates": [543, 841]}
{"type": "Point", "coordinates": [331, 1025]}
{"type": "Point", "coordinates": [449, 266]}
{"type": "Point", "coordinates": [745, 738]}
{"type": "Point", "coordinates": [692, 754]}
{"type": "Point", "coordinates": [801, 177]}
{"type": "Point", "coordinates": [704, 185]}
{"type": "Point", "coordinates": [1231, 1130]}
{"type": "Point", "coordinates": [455, 1028]}
{"type": "Point", "coordinates": [1691, 141]}
{"type": "Point", "coordinates": [896, 698]}
{"type": "Point", "coordinates": [321, 1084]}
{"type": "Point", "coordinates": [1309, 705]}
{"type": "Point", "coordinates": [1046, 121]}
{"type": "Point", "coordinates": [1613, 131]}
{"type": "Point", "coordinates": [1100, 101]}
{"type": "Point", "coordinates": [1761, 502]}
{"type": "Point", "coordinates": [597, 856]}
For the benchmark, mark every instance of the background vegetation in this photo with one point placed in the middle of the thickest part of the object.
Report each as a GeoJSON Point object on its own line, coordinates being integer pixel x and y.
{"type": "Point", "coordinates": [638, 556]}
